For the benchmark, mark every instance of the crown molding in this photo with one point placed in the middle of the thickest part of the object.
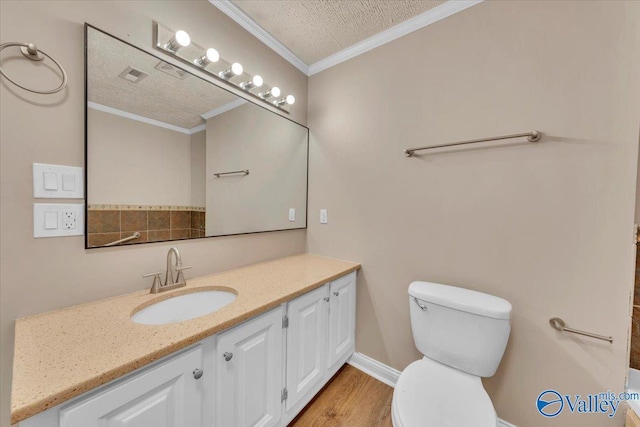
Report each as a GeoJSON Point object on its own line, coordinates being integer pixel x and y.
{"type": "Point", "coordinates": [417, 22]}
{"type": "Point", "coordinates": [224, 108]}
{"type": "Point", "coordinates": [260, 33]}
{"type": "Point", "coordinates": [197, 129]}
{"type": "Point", "coordinates": [138, 118]}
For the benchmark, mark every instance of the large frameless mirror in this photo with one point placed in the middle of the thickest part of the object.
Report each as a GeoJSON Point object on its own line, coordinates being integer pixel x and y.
{"type": "Point", "coordinates": [172, 156]}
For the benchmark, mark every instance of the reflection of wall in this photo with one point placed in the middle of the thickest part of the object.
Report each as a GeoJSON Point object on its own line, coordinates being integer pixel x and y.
{"type": "Point", "coordinates": [131, 162]}
{"type": "Point", "coordinates": [275, 152]}
{"type": "Point", "coordinates": [548, 226]}
{"type": "Point", "coordinates": [198, 169]}
{"type": "Point", "coordinates": [45, 274]}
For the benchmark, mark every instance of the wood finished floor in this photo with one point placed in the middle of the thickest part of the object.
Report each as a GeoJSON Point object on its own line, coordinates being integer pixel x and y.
{"type": "Point", "coordinates": [351, 399]}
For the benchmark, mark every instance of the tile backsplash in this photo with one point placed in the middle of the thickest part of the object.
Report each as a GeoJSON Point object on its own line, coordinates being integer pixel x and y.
{"type": "Point", "coordinates": [108, 223]}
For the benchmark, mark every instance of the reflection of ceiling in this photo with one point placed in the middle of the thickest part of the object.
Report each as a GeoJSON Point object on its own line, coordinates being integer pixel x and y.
{"type": "Point", "coordinates": [315, 29]}
{"type": "Point", "coordinates": [159, 96]}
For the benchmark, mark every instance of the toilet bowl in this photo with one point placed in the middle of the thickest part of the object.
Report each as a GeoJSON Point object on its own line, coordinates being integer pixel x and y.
{"type": "Point", "coordinates": [462, 335]}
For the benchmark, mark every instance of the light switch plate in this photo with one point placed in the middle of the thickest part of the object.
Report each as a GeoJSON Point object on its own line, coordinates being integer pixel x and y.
{"type": "Point", "coordinates": [324, 216]}
{"type": "Point", "coordinates": [57, 182]}
{"type": "Point", "coordinates": [55, 220]}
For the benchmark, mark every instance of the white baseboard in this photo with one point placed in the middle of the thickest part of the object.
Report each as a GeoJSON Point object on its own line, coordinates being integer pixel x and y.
{"type": "Point", "coordinates": [375, 369]}
{"type": "Point", "coordinates": [386, 374]}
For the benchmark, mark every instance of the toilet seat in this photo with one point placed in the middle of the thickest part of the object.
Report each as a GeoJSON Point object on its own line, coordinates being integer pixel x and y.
{"type": "Point", "coordinates": [430, 394]}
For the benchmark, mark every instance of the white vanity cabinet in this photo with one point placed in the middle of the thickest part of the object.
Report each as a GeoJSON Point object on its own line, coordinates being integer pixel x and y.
{"type": "Point", "coordinates": [307, 334]}
{"type": "Point", "coordinates": [167, 395]}
{"type": "Point", "coordinates": [320, 339]}
{"type": "Point", "coordinates": [249, 373]}
{"type": "Point", "coordinates": [342, 321]}
{"type": "Point", "coordinates": [262, 372]}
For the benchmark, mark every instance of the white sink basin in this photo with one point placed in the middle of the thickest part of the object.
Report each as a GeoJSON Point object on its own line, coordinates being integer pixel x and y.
{"type": "Point", "coordinates": [183, 307]}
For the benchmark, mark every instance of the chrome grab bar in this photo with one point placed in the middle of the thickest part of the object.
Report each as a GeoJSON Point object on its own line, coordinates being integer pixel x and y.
{"type": "Point", "coordinates": [126, 239]}
{"type": "Point", "coordinates": [533, 136]}
{"type": "Point", "coordinates": [219, 174]}
{"type": "Point", "coordinates": [559, 325]}
{"type": "Point", "coordinates": [422, 306]}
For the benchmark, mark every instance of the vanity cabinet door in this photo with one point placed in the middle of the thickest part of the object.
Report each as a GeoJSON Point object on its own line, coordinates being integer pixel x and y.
{"type": "Point", "coordinates": [167, 395]}
{"type": "Point", "coordinates": [249, 373]}
{"type": "Point", "coordinates": [342, 320]}
{"type": "Point", "coordinates": [306, 345]}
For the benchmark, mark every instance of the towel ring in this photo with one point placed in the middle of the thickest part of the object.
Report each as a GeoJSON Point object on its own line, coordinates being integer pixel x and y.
{"type": "Point", "coordinates": [31, 51]}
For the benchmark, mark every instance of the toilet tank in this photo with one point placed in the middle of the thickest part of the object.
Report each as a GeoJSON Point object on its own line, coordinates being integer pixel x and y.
{"type": "Point", "coordinates": [458, 327]}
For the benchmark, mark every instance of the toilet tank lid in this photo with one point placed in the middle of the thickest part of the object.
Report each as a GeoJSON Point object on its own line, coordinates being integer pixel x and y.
{"type": "Point", "coordinates": [461, 299]}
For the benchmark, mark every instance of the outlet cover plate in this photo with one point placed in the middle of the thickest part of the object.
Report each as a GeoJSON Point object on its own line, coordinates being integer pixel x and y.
{"type": "Point", "coordinates": [70, 220]}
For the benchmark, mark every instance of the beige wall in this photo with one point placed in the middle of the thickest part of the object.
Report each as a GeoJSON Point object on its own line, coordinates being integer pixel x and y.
{"type": "Point", "coordinates": [548, 227]}
{"type": "Point", "coordinates": [274, 150]}
{"type": "Point", "coordinates": [130, 162]}
{"type": "Point", "coordinates": [199, 169]}
{"type": "Point", "coordinates": [43, 274]}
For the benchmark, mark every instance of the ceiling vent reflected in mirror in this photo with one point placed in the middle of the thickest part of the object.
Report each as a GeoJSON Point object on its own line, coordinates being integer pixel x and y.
{"type": "Point", "coordinates": [133, 74]}
{"type": "Point", "coordinates": [171, 70]}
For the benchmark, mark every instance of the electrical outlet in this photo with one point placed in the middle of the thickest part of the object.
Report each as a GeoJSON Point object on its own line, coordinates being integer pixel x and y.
{"type": "Point", "coordinates": [292, 214]}
{"type": "Point", "coordinates": [324, 217]}
{"type": "Point", "coordinates": [68, 220]}
{"type": "Point", "coordinates": [51, 220]}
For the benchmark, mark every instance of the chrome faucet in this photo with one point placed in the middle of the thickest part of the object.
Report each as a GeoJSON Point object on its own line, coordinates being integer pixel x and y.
{"type": "Point", "coordinates": [172, 269]}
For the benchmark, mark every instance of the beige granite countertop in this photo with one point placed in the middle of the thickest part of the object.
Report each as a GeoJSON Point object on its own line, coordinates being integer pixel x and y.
{"type": "Point", "coordinates": [64, 353]}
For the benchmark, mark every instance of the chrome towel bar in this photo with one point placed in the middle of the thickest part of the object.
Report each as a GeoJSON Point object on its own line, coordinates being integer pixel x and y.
{"type": "Point", "coordinates": [533, 136]}
{"type": "Point", "coordinates": [559, 325]}
{"type": "Point", "coordinates": [126, 239]}
{"type": "Point", "coordinates": [219, 174]}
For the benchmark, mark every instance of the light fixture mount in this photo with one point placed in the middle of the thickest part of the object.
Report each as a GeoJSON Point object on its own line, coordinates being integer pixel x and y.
{"type": "Point", "coordinates": [178, 45]}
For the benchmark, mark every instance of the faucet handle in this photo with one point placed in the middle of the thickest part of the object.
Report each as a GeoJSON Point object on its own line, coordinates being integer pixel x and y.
{"type": "Point", "coordinates": [180, 278]}
{"type": "Point", "coordinates": [153, 274]}
{"type": "Point", "coordinates": [157, 283]}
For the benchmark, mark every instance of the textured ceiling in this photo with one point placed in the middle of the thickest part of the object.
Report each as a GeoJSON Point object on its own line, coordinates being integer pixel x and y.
{"type": "Point", "coordinates": [158, 96]}
{"type": "Point", "coordinates": [315, 29]}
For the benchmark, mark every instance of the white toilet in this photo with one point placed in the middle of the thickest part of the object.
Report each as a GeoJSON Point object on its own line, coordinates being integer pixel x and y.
{"type": "Point", "coordinates": [462, 335]}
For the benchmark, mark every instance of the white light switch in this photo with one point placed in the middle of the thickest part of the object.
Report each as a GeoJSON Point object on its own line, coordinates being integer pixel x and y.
{"type": "Point", "coordinates": [68, 182]}
{"type": "Point", "coordinates": [324, 217]}
{"type": "Point", "coordinates": [57, 182]}
{"type": "Point", "coordinates": [292, 214]}
{"type": "Point", "coordinates": [50, 181]}
{"type": "Point", "coordinates": [52, 220]}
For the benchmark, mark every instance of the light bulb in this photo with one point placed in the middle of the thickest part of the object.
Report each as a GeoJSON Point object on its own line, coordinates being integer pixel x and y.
{"type": "Point", "coordinates": [180, 39]}
{"type": "Point", "coordinates": [274, 91]}
{"type": "Point", "coordinates": [183, 38]}
{"type": "Point", "coordinates": [289, 99]}
{"type": "Point", "coordinates": [212, 55]}
{"type": "Point", "coordinates": [256, 81]}
{"type": "Point", "coordinates": [237, 69]}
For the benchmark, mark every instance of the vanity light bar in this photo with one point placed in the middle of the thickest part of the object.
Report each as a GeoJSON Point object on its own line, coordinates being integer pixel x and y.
{"type": "Point", "coordinates": [178, 44]}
